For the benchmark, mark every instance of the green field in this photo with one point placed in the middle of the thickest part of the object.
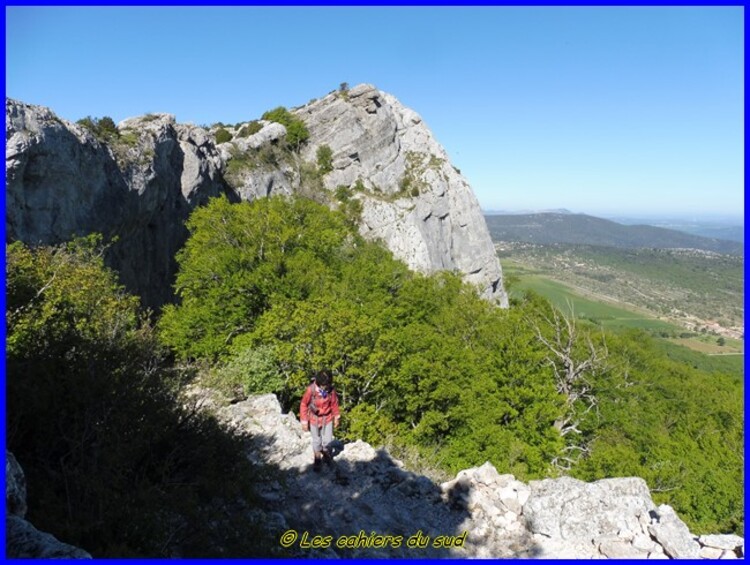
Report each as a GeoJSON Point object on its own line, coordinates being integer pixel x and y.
{"type": "Point", "coordinates": [597, 310]}
{"type": "Point", "coordinates": [687, 288]}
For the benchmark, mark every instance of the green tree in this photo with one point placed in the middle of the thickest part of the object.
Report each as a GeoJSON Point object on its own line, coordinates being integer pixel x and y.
{"type": "Point", "coordinates": [239, 259]}
{"type": "Point", "coordinates": [95, 420]}
{"type": "Point", "coordinates": [104, 129]}
{"type": "Point", "coordinates": [324, 157]}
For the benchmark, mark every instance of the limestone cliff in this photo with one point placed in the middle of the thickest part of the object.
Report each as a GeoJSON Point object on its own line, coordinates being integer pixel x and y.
{"type": "Point", "coordinates": [141, 184]}
{"type": "Point", "coordinates": [414, 199]}
{"type": "Point", "coordinates": [61, 182]}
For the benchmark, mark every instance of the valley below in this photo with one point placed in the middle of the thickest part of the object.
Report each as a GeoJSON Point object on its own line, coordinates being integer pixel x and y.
{"type": "Point", "coordinates": [687, 296]}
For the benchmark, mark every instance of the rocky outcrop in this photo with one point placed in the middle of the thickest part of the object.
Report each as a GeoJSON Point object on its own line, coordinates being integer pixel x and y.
{"type": "Point", "coordinates": [62, 182]}
{"type": "Point", "coordinates": [413, 198]}
{"type": "Point", "coordinates": [367, 495]}
{"type": "Point", "coordinates": [141, 184]}
{"type": "Point", "coordinates": [23, 540]}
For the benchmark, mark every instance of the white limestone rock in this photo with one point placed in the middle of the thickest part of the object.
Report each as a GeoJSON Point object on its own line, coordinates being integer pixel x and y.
{"type": "Point", "coordinates": [568, 509]}
{"type": "Point", "coordinates": [382, 144]}
{"type": "Point", "coordinates": [673, 535]}
{"type": "Point", "coordinates": [15, 487]}
{"type": "Point", "coordinates": [24, 541]}
{"type": "Point", "coordinates": [730, 542]}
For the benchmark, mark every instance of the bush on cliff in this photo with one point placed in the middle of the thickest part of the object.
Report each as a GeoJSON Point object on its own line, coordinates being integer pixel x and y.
{"type": "Point", "coordinates": [222, 136]}
{"type": "Point", "coordinates": [104, 129]}
{"type": "Point", "coordinates": [296, 130]}
{"type": "Point", "coordinates": [324, 156]}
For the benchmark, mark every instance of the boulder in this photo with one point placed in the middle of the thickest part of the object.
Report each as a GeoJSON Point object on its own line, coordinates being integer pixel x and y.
{"type": "Point", "coordinates": [729, 542]}
{"type": "Point", "coordinates": [15, 487]}
{"type": "Point", "coordinates": [570, 509]}
{"type": "Point", "coordinates": [22, 539]}
{"type": "Point", "coordinates": [673, 535]}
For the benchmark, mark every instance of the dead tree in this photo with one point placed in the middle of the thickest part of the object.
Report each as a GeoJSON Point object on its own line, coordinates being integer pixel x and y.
{"type": "Point", "coordinates": [574, 358]}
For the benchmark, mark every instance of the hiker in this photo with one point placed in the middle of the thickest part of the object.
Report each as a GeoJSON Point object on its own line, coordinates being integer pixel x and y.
{"type": "Point", "coordinates": [319, 414]}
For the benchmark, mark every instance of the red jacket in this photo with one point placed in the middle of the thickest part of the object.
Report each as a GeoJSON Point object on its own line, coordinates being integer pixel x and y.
{"type": "Point", "coordinates": [327, 408]}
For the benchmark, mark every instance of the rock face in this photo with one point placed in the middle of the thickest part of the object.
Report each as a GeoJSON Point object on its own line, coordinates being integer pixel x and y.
{"type": "Point", "coordinates": [62, 182]}
{"type": "Point", "coordinates": [23, 540]}
{"type": "Point", "coordinates": [367, 495]}
{"type": "Point", "coordinates": [413, 198]}
{"type": "Point", "coordinates": [141, 185]}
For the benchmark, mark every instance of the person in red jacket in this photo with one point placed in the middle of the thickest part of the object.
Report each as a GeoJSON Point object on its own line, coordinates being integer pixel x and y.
{"type": "Point", "coordinates": [319, 414]}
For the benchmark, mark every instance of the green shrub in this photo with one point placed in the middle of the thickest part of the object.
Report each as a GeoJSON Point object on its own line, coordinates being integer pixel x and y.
{"type": "Point", "coordinates": [249, 129]}
{"type": "Point", "coordinates": [325, 159]}
{"type": "Point", "coordinates": [249, 370]}
{"type": "Point", "coordinates": [104, 129]}
{"type": "Point", "coordinates": [344, 91]}
{"type": "Point", "coordinates": [129, 138]}
{"type": "Point", "coordinates": [223, 136]}
{"type": "Point", "coordinates": [296, 131]}
{"type": "Point", "coordinates": [343, 193]}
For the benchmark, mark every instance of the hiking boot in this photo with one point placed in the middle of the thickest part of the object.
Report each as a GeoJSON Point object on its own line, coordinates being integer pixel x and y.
{"type": "Point", "coordinates": [327, 458]}
{"type": "Point", "coordinates": [317, 463]}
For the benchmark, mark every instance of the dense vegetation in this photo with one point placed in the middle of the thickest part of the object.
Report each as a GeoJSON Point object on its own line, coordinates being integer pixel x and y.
{"type": "Point", "coordinates": [119, 463]}
{"type": "Point", "coordinates": [114, 461]}
{"type": "Point", "coordinates": [288, 286]}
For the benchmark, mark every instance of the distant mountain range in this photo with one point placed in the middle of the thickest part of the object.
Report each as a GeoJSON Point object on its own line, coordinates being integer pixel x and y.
{"type": "Point", "coordinates": [733, 229]}
{"type": "Point", "coordinates": [579, 229]}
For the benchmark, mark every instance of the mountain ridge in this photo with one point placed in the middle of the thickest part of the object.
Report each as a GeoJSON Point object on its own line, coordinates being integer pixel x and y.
{"type": "Point", "coordinates": [582, 229]}
{"type": "Point", "coordinates": [139, 181]}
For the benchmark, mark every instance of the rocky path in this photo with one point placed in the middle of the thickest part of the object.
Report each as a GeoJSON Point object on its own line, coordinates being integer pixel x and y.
{"type": "Point", "coordinates": [368, 505]}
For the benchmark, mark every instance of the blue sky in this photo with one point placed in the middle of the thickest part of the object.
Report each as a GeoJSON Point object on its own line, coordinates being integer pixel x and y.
{"type": "Point", "coordinates": [601, 110]}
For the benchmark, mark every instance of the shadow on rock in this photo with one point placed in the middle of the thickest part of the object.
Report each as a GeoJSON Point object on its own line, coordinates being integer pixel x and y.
{"type": "Point", "coordinates": [366, 504]}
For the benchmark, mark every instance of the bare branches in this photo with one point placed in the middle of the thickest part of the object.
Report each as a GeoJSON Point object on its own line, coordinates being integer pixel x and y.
{"type": "Point", "coordinates": [573, 358]}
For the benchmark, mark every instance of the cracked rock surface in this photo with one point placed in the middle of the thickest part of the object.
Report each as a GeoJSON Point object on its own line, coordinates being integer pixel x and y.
{"type": "Point", "coordinates": [495, 515]}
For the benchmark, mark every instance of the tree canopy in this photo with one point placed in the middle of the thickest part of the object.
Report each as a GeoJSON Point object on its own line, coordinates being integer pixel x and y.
{"type": "Point", "coordinates": [271, 290]}
{"type": "Point", "coordinates": [423, 361]}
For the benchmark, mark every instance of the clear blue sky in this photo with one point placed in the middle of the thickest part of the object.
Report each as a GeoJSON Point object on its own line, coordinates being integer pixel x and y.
{"type": "Point", "coordinates": [600, 110]}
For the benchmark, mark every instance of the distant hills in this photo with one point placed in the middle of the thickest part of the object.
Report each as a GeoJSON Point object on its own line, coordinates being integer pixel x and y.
{"type": "Point", "coordinates": [580, 229]}
{"type": "Point", "coordinates": [732, 230]}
